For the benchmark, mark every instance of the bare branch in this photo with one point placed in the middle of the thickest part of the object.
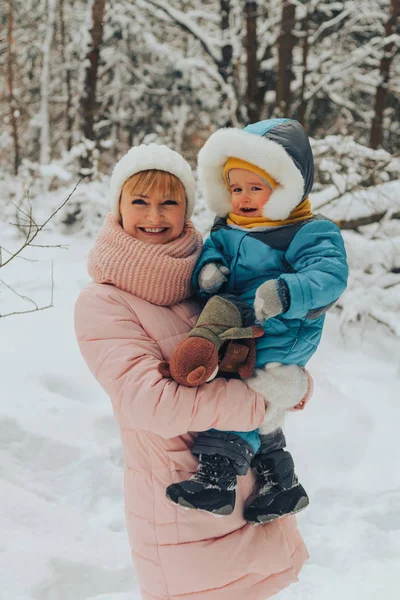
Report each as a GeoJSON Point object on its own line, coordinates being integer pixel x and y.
{"type": "Point", "coordinates": [62, 246]}
{"type": "Point", "coordinates": [26, 298]}
{"type": "Point", "coordinates": [10, 253]}
{"type": "Point", "coordinates": [37, 308]}
{"type": "Point", "coordinates": [31, 236]}
{"type": "Point", "coordinates": [23, 312]}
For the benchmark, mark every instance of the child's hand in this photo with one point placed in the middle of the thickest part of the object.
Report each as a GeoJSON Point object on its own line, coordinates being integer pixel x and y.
{"type": "Point", "coordinates": [283, 387]}
{"type": "Point", "coordinates": [212, 276]}
{"type": "Point", "coordinates": [301, 405]}
{"type": "Point", "coordinates": [270, 298]}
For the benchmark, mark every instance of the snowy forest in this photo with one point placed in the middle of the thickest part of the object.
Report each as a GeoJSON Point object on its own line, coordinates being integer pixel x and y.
{"type": "Point", "coordinates": [84, 81]}
{"type": "Point", "coordinates": [81, 82]}
{"type": "Point", "coordinates": [94, 78]}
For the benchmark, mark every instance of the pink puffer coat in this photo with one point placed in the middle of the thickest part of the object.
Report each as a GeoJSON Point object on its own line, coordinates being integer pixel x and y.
{"type": "Point", "coordinates": [178, 554]}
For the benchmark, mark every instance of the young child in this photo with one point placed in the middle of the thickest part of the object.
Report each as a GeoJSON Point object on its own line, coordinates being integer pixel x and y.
{"type": "Point", "coordinates": [267, 249]}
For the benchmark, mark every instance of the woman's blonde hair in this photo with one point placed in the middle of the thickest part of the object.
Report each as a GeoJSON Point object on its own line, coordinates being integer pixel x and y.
{"type": "Point", "coordinates": [156, 181]}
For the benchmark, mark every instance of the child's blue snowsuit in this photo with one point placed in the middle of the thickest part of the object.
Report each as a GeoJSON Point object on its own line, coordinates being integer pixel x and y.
{"type": "Point", "coordinates": [309, 256]}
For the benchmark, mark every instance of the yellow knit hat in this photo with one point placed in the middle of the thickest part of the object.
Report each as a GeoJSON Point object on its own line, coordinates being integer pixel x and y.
{"type": "Point", "coordinates": [238, 163]}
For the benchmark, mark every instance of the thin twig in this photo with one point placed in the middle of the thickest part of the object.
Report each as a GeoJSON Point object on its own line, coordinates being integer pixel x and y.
{"type": "Point", "coordinates": [37, 308]}
{"type": "Point", "coordinates": [62, 246]}
{"type": "Point", "coordinates": [29, 238]}
{"type": "Point", "coordinates": [22, 312]}
{"type": "Point", "coordinates": [26, 298]}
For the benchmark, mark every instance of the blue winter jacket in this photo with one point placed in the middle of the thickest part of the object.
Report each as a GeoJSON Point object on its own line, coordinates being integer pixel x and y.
{"type": "Point", "coordinates": [308, 256]}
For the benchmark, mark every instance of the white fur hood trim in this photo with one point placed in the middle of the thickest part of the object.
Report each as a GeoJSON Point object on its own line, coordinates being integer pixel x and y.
{"type": "Point", "coordinates": [151, 156]}
{"type": "Point", "coordinates": [257, 150]}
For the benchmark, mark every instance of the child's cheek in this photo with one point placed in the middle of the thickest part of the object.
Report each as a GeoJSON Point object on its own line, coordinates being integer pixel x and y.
{"type": "Point", "coordinates": [235, 204]}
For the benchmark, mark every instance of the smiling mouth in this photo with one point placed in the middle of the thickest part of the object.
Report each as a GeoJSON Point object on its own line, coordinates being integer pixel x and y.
{"type": "Point", "coordinates": [153, 230]}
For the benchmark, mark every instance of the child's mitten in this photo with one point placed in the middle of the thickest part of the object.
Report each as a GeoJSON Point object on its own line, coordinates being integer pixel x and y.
{"type": "Point", "coordinates": [283, 386]}
{"type": "Point", "coordinates": [272, 298]}
{"type": "Point", "coordinates": [212, 276]}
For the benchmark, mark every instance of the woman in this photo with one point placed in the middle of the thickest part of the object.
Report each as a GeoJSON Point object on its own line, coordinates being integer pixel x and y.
{"type": "Point", "coordinates": [127, 322]}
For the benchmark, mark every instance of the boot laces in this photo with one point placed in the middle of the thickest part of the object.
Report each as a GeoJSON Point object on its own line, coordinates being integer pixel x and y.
{"type": "Point", "coordinates": [267, 479]}
{"type": "Point", "coordinates": [213, 470]}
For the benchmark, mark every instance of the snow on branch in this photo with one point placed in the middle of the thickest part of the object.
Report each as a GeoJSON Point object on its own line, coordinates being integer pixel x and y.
{"type": "Point", "coordinates": [357, 57]}
{"type": "Point", "coordinates": [331, 23]}
{"type": "Point", "coordinates": [191, 27]}
{"type": "Point", "coordinates": [359, 189]}
{"type": "Point", "coordinates": [362, 221]}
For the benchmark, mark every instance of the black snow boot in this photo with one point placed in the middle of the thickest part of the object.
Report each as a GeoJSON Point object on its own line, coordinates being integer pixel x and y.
{"type": "Point", "coordinates": [211, 488]}
{"type": "Point", "coordinates": [278, 492]}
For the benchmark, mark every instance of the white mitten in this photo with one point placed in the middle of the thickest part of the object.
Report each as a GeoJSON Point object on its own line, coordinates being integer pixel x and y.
{"type": "Point", "coordinates": [212, 277]}
{"type": "Point", "coordinates": [283, 386]}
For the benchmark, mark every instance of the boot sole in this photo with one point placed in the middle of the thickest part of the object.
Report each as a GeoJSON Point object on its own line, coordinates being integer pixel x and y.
{"type": "Point", "coordinates": [222, 511]}
{"type": "Point", "coordinates": [302, 503]}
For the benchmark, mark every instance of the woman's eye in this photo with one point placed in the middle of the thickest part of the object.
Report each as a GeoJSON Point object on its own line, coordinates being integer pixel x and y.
{"type": "Point", "coordinates": [170, 202]}
{"type": "Point", "coordinates": [138, 201]}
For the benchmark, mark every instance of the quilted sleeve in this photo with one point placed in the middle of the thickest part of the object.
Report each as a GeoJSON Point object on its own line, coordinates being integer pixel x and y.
{"type": "Point", "coordinates": [124, 360]}
{"type": "Point", "coordinates": [318, 258]}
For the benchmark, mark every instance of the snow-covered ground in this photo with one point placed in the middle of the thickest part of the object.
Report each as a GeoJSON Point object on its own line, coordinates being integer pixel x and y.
{"type": "Point", "coordinates": [61, 518]}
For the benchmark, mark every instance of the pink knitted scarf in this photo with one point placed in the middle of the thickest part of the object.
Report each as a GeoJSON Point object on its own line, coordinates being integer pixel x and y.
{"type": "Point", "coordinates": [158, 273]}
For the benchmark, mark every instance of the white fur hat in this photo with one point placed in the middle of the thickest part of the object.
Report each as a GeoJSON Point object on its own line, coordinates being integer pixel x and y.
{"type": "Point", "coordinates": [144, 158]}
{"type": "Point", "coordinates": [278, 146]}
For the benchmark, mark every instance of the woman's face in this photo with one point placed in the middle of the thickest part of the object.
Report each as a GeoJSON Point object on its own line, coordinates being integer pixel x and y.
{"type": "Point", "coordinates": [152, 217]}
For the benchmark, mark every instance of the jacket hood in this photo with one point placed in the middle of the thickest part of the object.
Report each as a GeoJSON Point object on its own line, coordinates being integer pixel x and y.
{"type": "Point", "coordinates": [278, 146]}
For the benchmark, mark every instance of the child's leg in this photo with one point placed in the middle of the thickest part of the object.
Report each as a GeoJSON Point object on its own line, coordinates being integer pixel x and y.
{"type": "Point", "coordinates": [238, 446]}
{"type": "Point", "coordinates": [222, 456]}
{"type": "Point", "coordinates": [278, 492]}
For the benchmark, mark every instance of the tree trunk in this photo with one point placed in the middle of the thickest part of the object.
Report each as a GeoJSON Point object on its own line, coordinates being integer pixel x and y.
{"type": "Point", "coordinates": [305, 49]}
{"type": "Point", "coordinates": [88, 102]}
{"type": "Point", "coordinates": [10, 81]}
{"type": "Point", "coordinates": [65, 59]}
{"type": "Point", "coordinates": [376, 138]}
{"type": "Point", "coordinates": [252, 90]}
{"type": "Point", "coordinates": [225, 68]}
{"type": "Point", "coordinates": [266, 75]}
{"type": "Point", "coordinates": [44, 86]}
{"type": "Point", "coordinates": [286, 43]}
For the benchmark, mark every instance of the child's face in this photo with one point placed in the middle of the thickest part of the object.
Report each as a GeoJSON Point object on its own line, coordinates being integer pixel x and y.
{"type": "Point", "coordinates": [152, 218]}
{"type": "Point", "coordinates": [249, 193]}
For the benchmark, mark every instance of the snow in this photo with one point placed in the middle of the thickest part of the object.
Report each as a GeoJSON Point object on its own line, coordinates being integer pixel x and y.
{"type": "Point", "coordinates": [361, 203]}
{"type": "Point", "coordinates": [61, 469]}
